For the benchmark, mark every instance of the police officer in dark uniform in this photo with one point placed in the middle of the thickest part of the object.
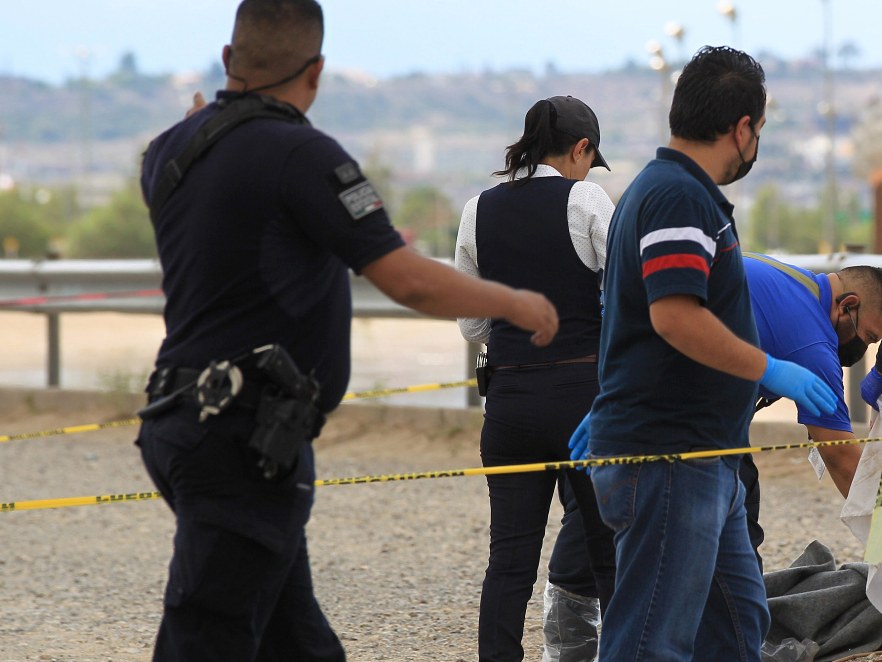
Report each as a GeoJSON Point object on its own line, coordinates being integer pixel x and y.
{"type": "Point", "coordinates": [257, 217]}
{"type": "Point", "coordinates": [545, 229]}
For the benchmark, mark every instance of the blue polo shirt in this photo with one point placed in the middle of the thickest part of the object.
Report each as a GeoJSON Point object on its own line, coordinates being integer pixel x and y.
{"type": "Point", "coordinates": [794, 325]}
{"type": "Point", "coordinates": [672, 233]}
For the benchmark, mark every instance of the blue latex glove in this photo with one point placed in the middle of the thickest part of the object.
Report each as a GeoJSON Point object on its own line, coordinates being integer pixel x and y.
{"type": "Point", "coordinates": [871, 388]}
{"type": "Point", "coordinates": [579, 441]}
{"type": "Point", "coordinates": [795, 382]}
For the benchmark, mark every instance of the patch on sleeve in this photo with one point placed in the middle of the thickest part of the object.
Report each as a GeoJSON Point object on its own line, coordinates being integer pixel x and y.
{"type": "Point", "coordinates": [353, 190]}
{"type": "Point", "coordinates": [347, 173]}
{"type": "Point", "coordinates": [360, 200]}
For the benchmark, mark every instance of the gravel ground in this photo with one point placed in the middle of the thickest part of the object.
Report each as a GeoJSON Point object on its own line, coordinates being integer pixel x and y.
{"type": "Point", "coordinates": [398, 566]}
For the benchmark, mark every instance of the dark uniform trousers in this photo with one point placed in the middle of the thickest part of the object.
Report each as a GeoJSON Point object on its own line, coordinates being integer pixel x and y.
{"type": "Point", "coordinates": [530, 415]}
{"type": "Point", "coordinates": [239, 586]}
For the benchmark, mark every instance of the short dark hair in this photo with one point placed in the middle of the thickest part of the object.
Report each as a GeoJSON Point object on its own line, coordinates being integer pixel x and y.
{"type": "Point", "coordinates": [866, 281]}
{"type": "Point", "coordinates": [718, 87]}
{"type": "Point", "coordinates": [276, 36]}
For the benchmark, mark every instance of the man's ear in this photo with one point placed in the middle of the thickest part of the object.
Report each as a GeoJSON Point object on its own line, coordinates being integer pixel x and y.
{"type": "Point", "coordinates": [314, 73]}
{"type": "Point", "coordinates": [850, 301]}
{"type": "Point", "coordinates": [225, 58]}
{"type": "Point", "coordinates": [743, 133]}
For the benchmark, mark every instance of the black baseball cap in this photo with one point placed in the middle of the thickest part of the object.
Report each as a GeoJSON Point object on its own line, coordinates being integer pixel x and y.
{"type": "Point", "coordinates": [574, 118]}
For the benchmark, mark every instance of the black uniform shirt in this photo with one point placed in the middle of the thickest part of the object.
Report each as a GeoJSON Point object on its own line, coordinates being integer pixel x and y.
{"type": "Point", "coordinates": [256, 242]}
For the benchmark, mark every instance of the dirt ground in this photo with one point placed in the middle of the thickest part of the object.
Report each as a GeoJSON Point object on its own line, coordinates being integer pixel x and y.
{"type": "Point", "coordinates": [398, 566]}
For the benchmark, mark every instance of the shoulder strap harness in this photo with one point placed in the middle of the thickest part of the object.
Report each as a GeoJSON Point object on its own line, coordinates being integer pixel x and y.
{"type": "Point", "coordinates": [235, 112]}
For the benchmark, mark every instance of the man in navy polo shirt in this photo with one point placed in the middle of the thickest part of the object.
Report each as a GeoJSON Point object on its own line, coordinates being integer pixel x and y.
{"type": "Point", "coordinates": [679, 366]}
{"type": "Point", "coordinates": [819, 321]}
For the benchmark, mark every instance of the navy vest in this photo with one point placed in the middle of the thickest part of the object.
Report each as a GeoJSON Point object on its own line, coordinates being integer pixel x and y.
{"type": "Point", "coordinates": [523, 240]}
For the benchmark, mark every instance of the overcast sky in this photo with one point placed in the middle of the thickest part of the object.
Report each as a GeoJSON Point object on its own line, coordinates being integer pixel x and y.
{"type": "Point", "coordinates": [38, 38]}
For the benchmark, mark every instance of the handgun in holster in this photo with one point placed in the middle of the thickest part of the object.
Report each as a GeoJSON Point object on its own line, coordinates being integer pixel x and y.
{"type": "Point", "coordinates": [288, 413]}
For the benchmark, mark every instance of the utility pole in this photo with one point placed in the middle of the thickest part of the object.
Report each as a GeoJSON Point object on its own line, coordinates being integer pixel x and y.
{"type": "Point", "coordinates": [658, 63]}
{"type": "Point", "coordinates": [83, 54]}
{"type": "Point", "coordinates": [827, 109]}
{"type": "Point", "coordinates": [727, 9]}
{"type": "Point", "coordinates": [736, 191]}
{"type": "Point", "coordinates": [676, 31]}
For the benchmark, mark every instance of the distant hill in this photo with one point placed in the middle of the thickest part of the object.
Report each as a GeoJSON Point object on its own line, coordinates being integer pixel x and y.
{"type": "Point", "coordinates": [128, 104]}
{"type": "Point", "coordinates": [447, 129]}
{"type": "Point", "coordinates": [108, 109]}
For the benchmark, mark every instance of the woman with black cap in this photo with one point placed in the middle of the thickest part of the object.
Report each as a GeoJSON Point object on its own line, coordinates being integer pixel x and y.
{"type": "Point", "coordinates": [545, 230]}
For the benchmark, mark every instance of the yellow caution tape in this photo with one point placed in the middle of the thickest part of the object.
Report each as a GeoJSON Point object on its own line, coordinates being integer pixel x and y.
{"type": "Point", "coordinates": [577, 464]}
{"type": "Point", "coordinates": [408, 389]}
{"type": "Point", "coordinates": [78, 501]}
{"type": "Point", "coordinates": [478, 471]}
{"type": "Point", "coordinates": [70, 430]}
{"type": "Point", "coordinates": [135, 421]}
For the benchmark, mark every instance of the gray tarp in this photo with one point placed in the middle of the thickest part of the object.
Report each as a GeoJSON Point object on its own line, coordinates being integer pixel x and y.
{"type": "Point", "coordinates": [813, 600]}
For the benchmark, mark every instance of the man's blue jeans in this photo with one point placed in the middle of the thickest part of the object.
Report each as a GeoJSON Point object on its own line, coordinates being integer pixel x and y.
{"type": "Point", "coordinates": [688, 586]}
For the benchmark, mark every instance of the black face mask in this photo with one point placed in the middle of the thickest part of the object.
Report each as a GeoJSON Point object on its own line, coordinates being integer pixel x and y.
{"type": "Point", "coordinates": [851, 352]}
{"type": "Point", "coordinates": [745, 166]}
{"type": "Point", "coordinates": [854, 350]}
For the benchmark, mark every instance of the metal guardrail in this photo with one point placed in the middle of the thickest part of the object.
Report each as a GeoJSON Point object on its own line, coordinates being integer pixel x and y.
{"type": "Point", "coordinates": [828, 264]}
{"type": "Point", "coordinates": [27, 278]}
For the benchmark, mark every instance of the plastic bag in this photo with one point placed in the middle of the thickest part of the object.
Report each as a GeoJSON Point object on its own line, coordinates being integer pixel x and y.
{"type": "Point", "coordinates": [857, 513]}
{"type": "Point", "coordinates": [789, 650]}
{"type": "Point", "coordinates": [571, 626]}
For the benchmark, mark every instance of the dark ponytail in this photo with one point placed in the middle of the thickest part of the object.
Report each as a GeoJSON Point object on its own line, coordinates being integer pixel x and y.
{"type": "Point", "coordinates": [539, 140]}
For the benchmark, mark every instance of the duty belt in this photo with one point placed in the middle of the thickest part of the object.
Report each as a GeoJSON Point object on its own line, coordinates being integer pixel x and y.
{"type": "Point", "coordinates": [284, 400]}
{"type": "Point", "coordinates": [165, 381]}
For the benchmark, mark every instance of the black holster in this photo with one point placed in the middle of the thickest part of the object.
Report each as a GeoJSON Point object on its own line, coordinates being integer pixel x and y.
{"type": "Point", "coordinates": [482, 374]}
{"type": "Point", "coordinates": [287, 414]}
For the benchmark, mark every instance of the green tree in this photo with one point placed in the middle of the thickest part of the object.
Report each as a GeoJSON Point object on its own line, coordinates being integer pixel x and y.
{"type": "Point", "coordinates": [120, 229]}
{"type": "Point", "coordinates": [776, 225]}
{"type": "Point", "coordinates": [128, 67]}
{"type": "Point", "coordinates": [57, 207]}
{"type": "Point", "coordinates": [430, 215]}
{"type": "Point", "coordinates": [856, 223]}
{"type": "Point", "coordinates": [21, 219]}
